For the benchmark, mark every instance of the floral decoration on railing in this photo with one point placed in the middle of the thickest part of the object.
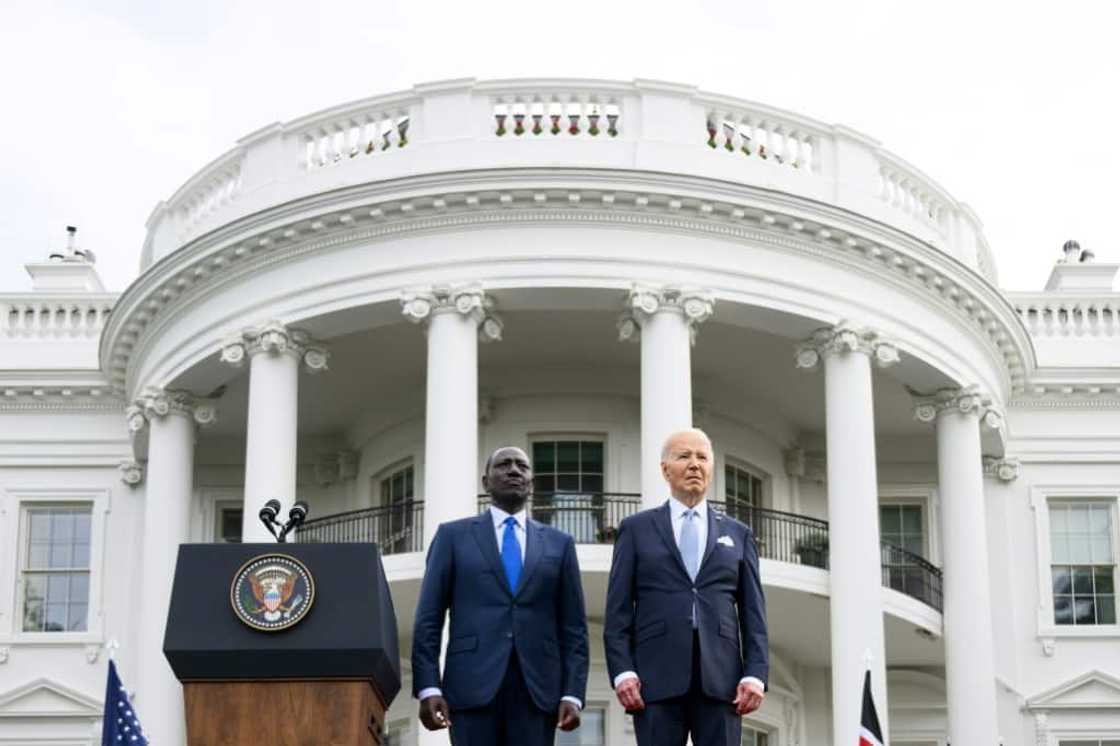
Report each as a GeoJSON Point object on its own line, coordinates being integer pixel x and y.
{"type": "Point", "coordinates": [352, 138]}
{"type": "Point", "coordinates": [759, 138]}
{"type": "Point", "coordinates": [574, 117]}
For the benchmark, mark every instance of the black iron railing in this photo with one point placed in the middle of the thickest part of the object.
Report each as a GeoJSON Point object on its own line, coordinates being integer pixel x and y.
{"type": "Point", "coordinates": [590, 517]}
{"type": "Point", "coordinates": [395, 528]}
{"type": "Point", "coordinates": [594, 517]}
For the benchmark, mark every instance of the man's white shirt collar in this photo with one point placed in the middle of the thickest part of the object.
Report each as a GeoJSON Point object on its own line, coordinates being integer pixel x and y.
{"type": "Point", "coordinates": [677, 509]}
{"type": "Point", "coordinates": [500, 517]}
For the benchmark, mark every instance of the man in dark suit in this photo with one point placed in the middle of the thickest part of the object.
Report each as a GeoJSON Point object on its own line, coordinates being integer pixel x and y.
{"type": "Point", "coordinates": [685, 621]}
{"type": "Point", "coordinates": [517, 657]}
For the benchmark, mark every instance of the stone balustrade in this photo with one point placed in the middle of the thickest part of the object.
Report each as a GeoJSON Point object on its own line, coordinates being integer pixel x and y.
{"type": "Point", "coordinates": [41, 316]}
{"type": "Point", "coordinates": [1050, 315]}
{"type": "Point", "coordinates": [654, 127]}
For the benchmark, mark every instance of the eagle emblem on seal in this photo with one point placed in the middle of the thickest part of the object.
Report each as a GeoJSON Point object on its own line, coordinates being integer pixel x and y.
{"type": "Point", "coordinates": [272, 592]}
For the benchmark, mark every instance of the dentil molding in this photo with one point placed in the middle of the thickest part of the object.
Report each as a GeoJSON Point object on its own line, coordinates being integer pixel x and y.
{"type": "Point", "coordinates": [419, 304]}
{"type": "Point", "coordinates": [157, 403]}
{"type": "Point", "coordinates": [274, 338]}
{"type": "Point", "coordinates": [843, 338]}
{"type": "Point", "coordinates": [644, 300]}
{"type": "Point", "coordinates": [236, 250]}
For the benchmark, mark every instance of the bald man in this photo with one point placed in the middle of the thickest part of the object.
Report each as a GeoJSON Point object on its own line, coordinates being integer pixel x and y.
{"type": "Point", "coordinates": [685, 620]}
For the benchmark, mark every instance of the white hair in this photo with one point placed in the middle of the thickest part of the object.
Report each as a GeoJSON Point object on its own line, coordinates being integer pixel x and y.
{"type": "Point", "coordinates": [677, 434]}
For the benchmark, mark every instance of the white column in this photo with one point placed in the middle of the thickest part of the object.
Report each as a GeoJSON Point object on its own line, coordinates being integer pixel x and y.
{"type": "Point", "coordinates": [855, 571]}
{"type": "Point", "coordinates": [457, 318]}
{"type": "Point", "coordinates": [275, 353]}
{"type": "Point", "coordinates": [666, 318]}
{"type": "Point", "coordinates": [970, 679]}
{"type": "Point", "coordinates": [171, 417]}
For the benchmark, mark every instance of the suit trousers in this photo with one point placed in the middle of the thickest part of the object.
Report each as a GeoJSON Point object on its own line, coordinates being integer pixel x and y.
{"type": "Point", "coordinates": [669, 722]}
{"type": "Point", "coordinates": [511, 719]}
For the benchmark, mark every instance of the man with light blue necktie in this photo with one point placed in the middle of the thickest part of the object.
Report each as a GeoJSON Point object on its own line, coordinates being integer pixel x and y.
{"type": "Point", "coordinates": [517, 653]}
{"type": "Point", "coordinates": [684, 628]}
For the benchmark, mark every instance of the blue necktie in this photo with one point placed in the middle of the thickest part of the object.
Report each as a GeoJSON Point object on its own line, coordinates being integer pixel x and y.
{"type": "Point", "coordinates": [690, 544]}
{"type": "Point", "coordinates": [511, 553]}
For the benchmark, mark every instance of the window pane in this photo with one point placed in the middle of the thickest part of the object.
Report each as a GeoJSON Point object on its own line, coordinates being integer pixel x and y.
{"type": "Point", "coordinates": [81, 555]}
{"type": "Point", "coordinates": [1063, 610]}
{"type": "Point", "coordinates": [567, 456]}
{"type": "Point", "coordinates": [77, 618]}
{"type": "Point", "coordinates": [58, 588]}
{"type": "Point", "coordinates": [38, 554]}
{"type": "Point", "coordinates": [60, 555]}
{"type": "Point", "coordinates": [913, 544]}
{"type": "Point", "coordinates": [1080, 553]}
{"type": "Point", "coordinates": [544, 483]}
{"type": "Point", "coordinates": [889, 519]}
{"type": "Point", "coordinates": [544, 457]}
{"type": "Point", "coordinates": [567, 483]}
{"type": "Point", "coordinates": [1062, 580]}
{"type": "Point", "coordinates": [1083, 580]}
{"type": "Point", "coordinates": [1084, 610]}
{"type": "Point", "coordinates": [33, 616]}
{"type": "Point", "coordinates": [1106, 609]}
{"type": "Point", "coordinates": [1059, 520]}
{"type": "Point", "coordinates": [593, 483]}
{"type": "Point", "coordinates": [912, 519]}
{"type": "Point", "coordinates": [81, 526]}
{"type": "Point", "coordinates": [1099, 521]}
{"type": "Point", "coordinates": [79, 588]}
{"type": "Point", "coordinates": [55, 618]}
{"type": "Point", "coordinates": [591, 457]}
{"type": "Point", "coordinates": [62, 526]}
{"type": "Point", "coordinates": [1101, 550]}
{"type": "Point", "coordinates": [231, 525]}
{"type": "Point", "coordinates": [40, 521]}
{"type": "Point", "coordinates": [1103, 581]}
{"type": "Point", "coordinates": [1079, 519]}
{"type": "Point", "coordinates": [1059, 549]}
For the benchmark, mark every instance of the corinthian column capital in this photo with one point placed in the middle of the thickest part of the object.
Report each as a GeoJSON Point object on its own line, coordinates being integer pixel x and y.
{"type": "Point", "coordinates": [157, 403]}
{"type": "Point", "coordinates": [844, 338]}
{"type": "Point", "coordinates": [644, 300]}
{"type": "Point", "coordinates": [967, 400]}
{"type": "Point", "coordinates": [1004, 469]}
{"type": "Point", "coordinates": [274, 338]}
{"type": "Point", "coordinates": [419, 304]}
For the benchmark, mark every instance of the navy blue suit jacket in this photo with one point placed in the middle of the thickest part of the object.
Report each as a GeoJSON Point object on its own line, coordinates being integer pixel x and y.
{"type": "Point", "coordinates": [648, 620]}
{"type": "Point", "coordinates": [543, 622]}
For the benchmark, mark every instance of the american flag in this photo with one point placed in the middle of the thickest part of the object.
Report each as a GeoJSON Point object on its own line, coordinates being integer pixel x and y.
{"type": "Point", "coordinates": [870, 734]}
{"type": "Point", "coordinates": [120, 725]}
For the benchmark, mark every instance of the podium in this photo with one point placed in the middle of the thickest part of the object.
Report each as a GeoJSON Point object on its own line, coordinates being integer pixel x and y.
{"type": "Point", "coordinates": [326, 680]}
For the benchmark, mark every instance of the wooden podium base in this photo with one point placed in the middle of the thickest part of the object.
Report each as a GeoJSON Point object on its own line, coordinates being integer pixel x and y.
{"type": "Point", "coordinates": [283, 713]}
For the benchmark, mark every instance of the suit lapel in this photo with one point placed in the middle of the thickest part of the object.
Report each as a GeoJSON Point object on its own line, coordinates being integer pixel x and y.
{"type": "Point", "coordinates": [534, 548]}
{"type": "Point", "coordinates": [483, 529]}
{"type": "Point", "coordinates": [713, 534]}
{"type": "Point", "coordinates": [663, 522]}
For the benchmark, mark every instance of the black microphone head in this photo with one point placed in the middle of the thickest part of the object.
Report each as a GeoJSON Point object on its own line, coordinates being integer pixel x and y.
{"type": "Point", "coordinates": [270, 510]}
{"type": "Point", "coordinates": [298, 513]}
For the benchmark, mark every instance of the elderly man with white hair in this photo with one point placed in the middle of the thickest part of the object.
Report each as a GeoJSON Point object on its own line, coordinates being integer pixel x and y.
{"type": "Point", "coordinates": [685, 624]}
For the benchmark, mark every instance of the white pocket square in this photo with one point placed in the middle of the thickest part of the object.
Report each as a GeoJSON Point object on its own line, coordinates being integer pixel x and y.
{"type": "Point", "coordinates": [726, 541]}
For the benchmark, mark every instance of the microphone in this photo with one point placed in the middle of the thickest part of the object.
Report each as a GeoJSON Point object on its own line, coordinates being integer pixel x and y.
{"type": "Point", "coordinates": [296, 516]}
{"type": "Point", "coordinates": [268, 517]}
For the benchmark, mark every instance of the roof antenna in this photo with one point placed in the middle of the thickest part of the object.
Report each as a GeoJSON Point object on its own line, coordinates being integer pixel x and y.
{"type": "Point", "coordinates": [72, 253]}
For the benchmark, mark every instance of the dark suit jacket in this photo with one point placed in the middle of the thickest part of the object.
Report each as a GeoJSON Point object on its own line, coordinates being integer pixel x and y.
{"type": "Point", "coordinates": [543, 622]}
{"type": "Point", "coordinates": [648, 620]}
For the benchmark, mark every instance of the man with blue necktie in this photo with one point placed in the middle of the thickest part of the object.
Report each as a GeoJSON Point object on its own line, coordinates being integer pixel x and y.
{"type": "Point", "coordinates": [517, 657]}
{"type": "Point", "coordinates": [685, 622]}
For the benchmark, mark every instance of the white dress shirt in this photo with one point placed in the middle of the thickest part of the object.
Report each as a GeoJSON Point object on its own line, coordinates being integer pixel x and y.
{"type": "Point", "coordinates": [499, 517]}
{"type": "Point", "coordinates": [677, 510]}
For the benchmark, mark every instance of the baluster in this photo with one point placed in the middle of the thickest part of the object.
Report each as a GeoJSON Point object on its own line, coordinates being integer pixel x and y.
{"type": "Point", "coordinates": [593, 114]}
{"type": "Point", "coordinates": [517, 111]}
{"type": "Point", "coordinates": [613, 113]}
{"type": "Point", "coordinates": [5, 318]}
{"type": "Point", "coordinates": [392, 134]}
{"type": "Point", "coordinates": [573, 108]}
{"type": "Point", "coordinates": [728, 133]}
{"type": "Point", "coordinates": [711, 127]}
{"type": "Point", "coordinates": [746, 141]}
{"type": "Point", "coordinates": [555, 112]}
{"type": "Point", "coordinates": [793, 148]}
{"type": "Point", "coordinates": [764, 148]}
{"type": "Point", "coordinates": [537, 113]}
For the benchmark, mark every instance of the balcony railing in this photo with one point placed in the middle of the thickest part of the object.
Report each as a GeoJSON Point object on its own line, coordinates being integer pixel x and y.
{"type": "Point", "coordinates": [396, 529]}
{"type": "Point", "coordinates": [594, 517]}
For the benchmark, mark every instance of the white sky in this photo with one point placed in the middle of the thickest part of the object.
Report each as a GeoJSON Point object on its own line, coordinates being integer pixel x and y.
{"type": "Point", "coordinates": [1014, 108]}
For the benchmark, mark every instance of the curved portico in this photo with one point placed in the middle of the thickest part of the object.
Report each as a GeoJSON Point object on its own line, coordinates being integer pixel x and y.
{"type": "Point", "coordinates": [720, 281]}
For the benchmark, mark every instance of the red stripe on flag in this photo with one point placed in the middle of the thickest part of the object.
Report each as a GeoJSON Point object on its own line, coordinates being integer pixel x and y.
{"type": "Point", "coordinates": [867, 738]}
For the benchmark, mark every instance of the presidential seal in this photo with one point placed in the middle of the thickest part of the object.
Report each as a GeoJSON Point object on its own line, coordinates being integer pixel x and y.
{"type": "Point", "coordinates": [272, 592]}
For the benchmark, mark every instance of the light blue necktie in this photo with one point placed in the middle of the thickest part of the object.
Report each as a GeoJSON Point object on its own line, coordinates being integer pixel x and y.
{"type": "Point", "coordinates": [511, 553]}
{"type": "Point", "coordinates": [690, 544]}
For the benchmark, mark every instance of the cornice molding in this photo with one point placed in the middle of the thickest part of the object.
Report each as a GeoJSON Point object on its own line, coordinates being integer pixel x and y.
{"type": "Point", "coordinates": [274, 338]}
{"type": "Point", "coordinates": [419, 305]}
{"type": "Point", "coordinates": [843, 338]}
{"type": "Point", "coordinates": [226, 254]}
{"type": "Point", "coordinates": [967, 400]}
{"type": "Point", "coordinates": [645, 299]}
{"type": "Point", "coordinates": [56, 398]}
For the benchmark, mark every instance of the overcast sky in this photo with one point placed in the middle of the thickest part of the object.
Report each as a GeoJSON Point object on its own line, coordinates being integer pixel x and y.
{"type": "Point", "coordinates": [111, 105]}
